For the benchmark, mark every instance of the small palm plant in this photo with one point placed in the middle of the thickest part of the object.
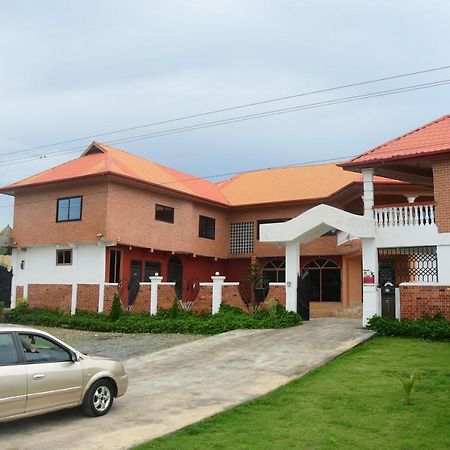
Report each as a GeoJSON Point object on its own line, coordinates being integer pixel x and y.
{"type": "Point", "coordinates": [408, 385]}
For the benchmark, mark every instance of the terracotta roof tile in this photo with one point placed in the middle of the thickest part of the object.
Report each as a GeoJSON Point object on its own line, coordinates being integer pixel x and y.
{"type": "Point", "coordinates": [430, 139]}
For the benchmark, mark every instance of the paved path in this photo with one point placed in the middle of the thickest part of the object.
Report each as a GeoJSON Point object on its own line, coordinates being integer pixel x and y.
{"type": "Point", "coordinates": [182, 385]}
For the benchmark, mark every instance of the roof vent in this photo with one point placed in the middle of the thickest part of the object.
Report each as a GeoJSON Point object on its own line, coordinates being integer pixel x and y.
{"type": "Point", "coordinates": [93, 149]}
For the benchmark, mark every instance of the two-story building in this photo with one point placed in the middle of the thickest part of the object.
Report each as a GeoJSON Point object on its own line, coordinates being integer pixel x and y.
{"type": "Point", "coordinates": [109, 218]}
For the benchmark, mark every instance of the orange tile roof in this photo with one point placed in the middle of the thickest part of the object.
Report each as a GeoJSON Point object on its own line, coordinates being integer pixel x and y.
{"type": "Point", "coordinates": [110, 160]}
{"type": "Point", "coordinates": [300, 183]}
{"type": "Point", "coordinates": [430, 139]}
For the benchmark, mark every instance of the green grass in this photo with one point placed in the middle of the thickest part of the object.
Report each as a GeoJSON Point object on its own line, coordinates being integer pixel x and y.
{"type": "Point", "coordinates": [354, 402]}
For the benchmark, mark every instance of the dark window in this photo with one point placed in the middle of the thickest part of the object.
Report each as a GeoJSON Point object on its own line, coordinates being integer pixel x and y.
{"type": "Point", "coordinates": [151, 268]}
{"type": "Point", "coordinates": [263, 221]}
{"type": "Point", "coordinates": [115, 259]}
{"type": "Point", "coordinates": [39, 349]}
{"type": "Point", "coordinates": [69, 209]}
{"type": "Point", "coordinates": [8, 351]}
{"type": "Point", "coordinates": [207, 227]}
{"type": "Point", "coordinates": [324, 280]}
{"type": "Point", "coordinates": [275, 271]}
{"type": "Point", "coordinates": [164, 213]}
{"type": "Point", "coordinates": [63, 257]}
{"type": "Point", "coordinates": [136, 270]}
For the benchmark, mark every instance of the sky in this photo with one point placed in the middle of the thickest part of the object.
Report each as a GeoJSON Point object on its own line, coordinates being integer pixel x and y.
{"type": "Point", "coordinates": [79, 68]}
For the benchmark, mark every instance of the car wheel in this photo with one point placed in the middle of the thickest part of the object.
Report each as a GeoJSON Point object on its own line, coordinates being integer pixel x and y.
{"type": "Point", "coordinates": [99, 398]}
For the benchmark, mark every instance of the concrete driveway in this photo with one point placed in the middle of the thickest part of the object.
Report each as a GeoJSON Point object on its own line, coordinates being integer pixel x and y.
{"type": "Point", "coordinates": [172, 388]}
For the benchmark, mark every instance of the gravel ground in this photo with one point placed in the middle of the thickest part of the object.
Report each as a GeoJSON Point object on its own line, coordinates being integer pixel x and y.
{"type": "Point", "coordinates": [118, 345]}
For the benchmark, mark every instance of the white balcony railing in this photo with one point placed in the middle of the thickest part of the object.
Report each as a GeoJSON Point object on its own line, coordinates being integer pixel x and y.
{"type": "Point", "coordinates": [406, 215]}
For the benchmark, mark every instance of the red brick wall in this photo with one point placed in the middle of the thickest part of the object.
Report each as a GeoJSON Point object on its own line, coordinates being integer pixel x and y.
{"type": "Point", "coordinates": [278, 293]}
{"type": "Point", "coordinates": [419, 301]}
{"type": "Point", "coordinates": [53, 296]}
{"type": "Point", "coordinates": [142, 302]}
{"type": "Point", "coordinates": [87, 297]}
{"type": "Point", "coordinates": [203, 302]}
{"type": "Point", "coordinates": [231, 296]}
{"type": "Point", "coordinates": [166, 296]}
{"type": "Point", "coordinates": [19, 292]}
{"type": "Point", "coordinates": [108, 296]}
{"type": "Point", "coordinates": [441, 180]}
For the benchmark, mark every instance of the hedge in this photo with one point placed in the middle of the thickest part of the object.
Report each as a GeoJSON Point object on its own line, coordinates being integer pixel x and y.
{"type": "Point", "coordinates": [437, 329]}
{"type": "Point", "coordinates": [165, 321]}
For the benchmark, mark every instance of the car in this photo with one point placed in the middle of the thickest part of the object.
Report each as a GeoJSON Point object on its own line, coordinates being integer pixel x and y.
{"type": "Point", "coordinates": [39, 373]}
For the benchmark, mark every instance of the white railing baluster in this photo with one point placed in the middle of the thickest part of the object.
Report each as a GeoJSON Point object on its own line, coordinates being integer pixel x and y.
{"type": "Point", "coordinates": [409, 215]}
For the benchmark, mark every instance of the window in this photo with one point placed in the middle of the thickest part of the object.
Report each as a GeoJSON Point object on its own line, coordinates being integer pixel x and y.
{"type": "Point", "coordinates": [324, 280]}
{"type": "Point", "coordinates": [275, 271]}
{"type": "Point", "coordinates": [241, 237]}
{"type": "Point", "coordinates": [164, 213]}
{"type": "Point", "coordinates": [151, 268]}
{"type": "Point", "coordinates": [136, 270]}
{"type": "Point", "coordinates": [207, 227]}
{"type": "Point", "coordinates": [39, 349]}
{"type": "Point", "coordinates": [115, 259]}
{"type": "Point", "coordinates": [63, 257]}
{"type": "Point", "coordinates": [69, 209]}
{"type": "Point", "coordinates": [8, 351]}
{"type": "Point", "coordinates": [261, 222]}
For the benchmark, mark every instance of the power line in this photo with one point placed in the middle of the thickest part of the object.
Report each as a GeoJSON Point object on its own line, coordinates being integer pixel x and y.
{"type": "Point", "coordinates": [233, 108]}
{"type": "Point", "coordinates": [244, 118]}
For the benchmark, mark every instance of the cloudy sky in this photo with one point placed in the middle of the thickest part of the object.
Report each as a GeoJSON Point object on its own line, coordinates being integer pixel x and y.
{"type": "Point", "coordinates": [70, 69]}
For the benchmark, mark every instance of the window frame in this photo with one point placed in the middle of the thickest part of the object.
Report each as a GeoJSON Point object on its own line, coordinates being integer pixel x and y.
{"type": "Point", "coordinates": [68, 209]}
{"type": "Point", "coordinates": [117, 271]}
{"type": "Point", "coordinates": [164, 209]}
{"type": "Point", "coordinates": [206, 227]}
{"type": "Point", "coordinates": [16, 348]}
{"type": "Point", "coordinates": [63, 251]}
{"type": "Point", "coordinates": [53, 341]}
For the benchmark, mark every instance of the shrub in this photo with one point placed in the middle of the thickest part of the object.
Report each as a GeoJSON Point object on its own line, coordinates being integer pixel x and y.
{"type": "Point", "coordinates": [21, 304]}
{"type": "Point", "coordinates": [116, 308]}
{"type": "Point", "coordinates": [433, 329]}
{"type": "Point", "coordinates": [228, 318]}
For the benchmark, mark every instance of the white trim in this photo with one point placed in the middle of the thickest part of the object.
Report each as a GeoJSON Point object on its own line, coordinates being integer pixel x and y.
{"type": "Point", "coordinates": [101, 297]}
{"type": "Point", "coordinates": [205, 284]}
{"type": "Point", "coordinates": [423, 283]}
{"type": "Point", "coordinates": [73, 302]}
{"type": "Point", "coordinates": [231, 283]}
{"type": "Point", "coordinates": [167, 283]}
{"type": "Point", "coordinates": [277, 284]}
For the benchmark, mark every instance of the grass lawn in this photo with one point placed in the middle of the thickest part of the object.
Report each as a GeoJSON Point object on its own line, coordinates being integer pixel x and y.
{"type": "Point", "coordinates": [356, 401]}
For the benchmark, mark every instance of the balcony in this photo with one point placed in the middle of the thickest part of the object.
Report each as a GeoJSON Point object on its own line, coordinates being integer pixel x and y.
{"type": "Point", "coordinates": [419, 215]}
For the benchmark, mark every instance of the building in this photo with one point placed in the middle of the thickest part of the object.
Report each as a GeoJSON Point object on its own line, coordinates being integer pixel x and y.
{"type": "Point", "coordinates": [110, 219]}
{"type": "Point", "coordinates": [405, 246]}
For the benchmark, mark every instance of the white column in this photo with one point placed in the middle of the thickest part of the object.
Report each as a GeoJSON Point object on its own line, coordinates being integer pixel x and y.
{"type": "Point", "coordinates": [15, 269]}
{"type": "Point", "coordinates": [292, 271]}
{"type": "Point", "coordinates": [443, 263]}
{"type": "Point", "coordinates": [368, 197]}
{"type": "Point", "coordinates": [155, 281]}
{"type": "Point", "coordinates": [73, 303]}
{"type": "Point", "coordinates": [371, 297]}
{"type": "Point", "coordinates": [217, 282]}
{"type": "Point", "coordinates": [397, 303]}
{"type": "Point", "coordinates": [101, 297]}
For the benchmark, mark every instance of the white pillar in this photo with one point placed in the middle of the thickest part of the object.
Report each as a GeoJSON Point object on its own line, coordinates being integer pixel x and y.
{"type": "Point", "coordinates": [155, 281]}
{"type": "Point", "coordinates": [292, 271]}
{"type": "Point", "coordinates": [15, 270]}
{"type": "Point", "coordinates": [73, 303]}
{"type": "Point", "coordinates": [217, 292]}
{"type": "Point", "coordinates": [371, 297]}
{"type": "Point", "coordinates": [368, 196]}
{"type": "Point", "coordinates": [101, 297]}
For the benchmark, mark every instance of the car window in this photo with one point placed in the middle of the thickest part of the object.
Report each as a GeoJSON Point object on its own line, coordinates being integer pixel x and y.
{"type": "Point", "coordinates": [38, 349]}
{"type": "Point", "coordinates": [8, 351]}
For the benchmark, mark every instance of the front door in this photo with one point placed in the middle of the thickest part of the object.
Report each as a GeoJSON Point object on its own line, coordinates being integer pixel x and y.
{"type": "Point", "coordinates": [5, 286]}
{"type": "Point", "coordinates": [13, 379]}
{"type": "Point", "coordinates": [386, 279]}
{"type": "Point", "coordinates": [53, 378]}
{"type": "Point", "coordinates": [175, 273]}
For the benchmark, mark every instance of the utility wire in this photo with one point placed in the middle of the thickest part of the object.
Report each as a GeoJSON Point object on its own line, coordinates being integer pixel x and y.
{"type": "Point", "coordinates": [233, 108]}
{"type": "Point", "coordinates": [244, 118]}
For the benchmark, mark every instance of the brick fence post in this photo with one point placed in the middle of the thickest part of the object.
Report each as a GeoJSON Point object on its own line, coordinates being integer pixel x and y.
{"type": "Point", "coordinates": [217, 282]}
{"type": "Point", "coordinates": [154, 293]}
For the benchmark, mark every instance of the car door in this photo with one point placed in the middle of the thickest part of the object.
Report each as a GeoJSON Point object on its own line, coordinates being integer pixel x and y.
{"type": "Point", "coordinates": [54, 379]}
{"type": "Point", "coordinates": [13, 378]}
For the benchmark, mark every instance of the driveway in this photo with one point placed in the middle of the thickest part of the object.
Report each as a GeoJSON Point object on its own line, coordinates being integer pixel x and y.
{"type": "Point", "coordinates": [172, 388]}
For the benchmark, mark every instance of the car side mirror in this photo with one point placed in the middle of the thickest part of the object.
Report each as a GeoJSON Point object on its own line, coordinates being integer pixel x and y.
{"type": "Point", "coordinates": [74, 357]}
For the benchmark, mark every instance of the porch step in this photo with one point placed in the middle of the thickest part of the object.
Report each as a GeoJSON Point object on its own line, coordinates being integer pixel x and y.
{"type": "Point", "coordinates": [349, 312]}
{"type": "Point", "coordinates": [331, 309]}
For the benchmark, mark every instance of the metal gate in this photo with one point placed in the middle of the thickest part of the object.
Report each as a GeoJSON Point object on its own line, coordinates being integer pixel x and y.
{"type": "Point", "coordinates": [5, 286]}
{"type": "Point", "coordinates": [303, 294]}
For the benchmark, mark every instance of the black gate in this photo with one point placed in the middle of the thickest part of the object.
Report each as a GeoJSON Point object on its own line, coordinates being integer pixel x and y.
{"type": "Point", "coordinates": [303, 294]}
{"type": "Point", "coordinates": [5, 286]}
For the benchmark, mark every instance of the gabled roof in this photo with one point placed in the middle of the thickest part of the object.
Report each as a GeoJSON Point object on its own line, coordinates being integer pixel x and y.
{"type": "Point", "coordinates": [429, 140]}
{"type": "Point", "coordinates": [288, 184]}
{"type": "Point", "coordinates": [100, 159]}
